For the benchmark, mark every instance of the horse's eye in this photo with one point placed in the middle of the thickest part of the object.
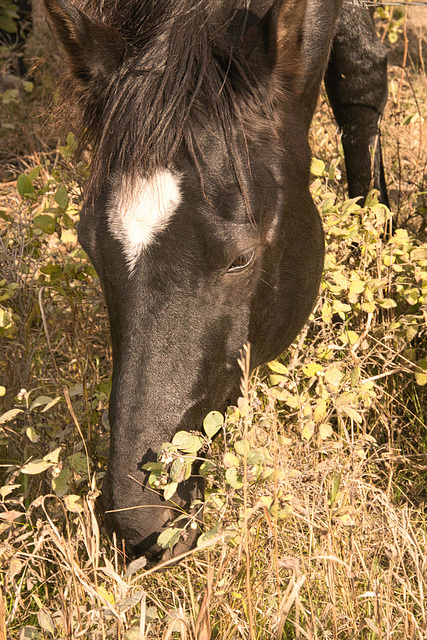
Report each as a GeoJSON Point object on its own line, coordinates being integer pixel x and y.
{"type": "Point", "coordinates": [240, 263]}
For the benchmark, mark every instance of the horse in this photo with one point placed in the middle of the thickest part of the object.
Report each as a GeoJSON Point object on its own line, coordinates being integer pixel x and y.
{"type": "Point", "coordinates": [197, 214]}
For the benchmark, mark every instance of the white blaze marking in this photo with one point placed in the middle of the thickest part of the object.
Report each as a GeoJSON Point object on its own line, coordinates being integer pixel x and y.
{"type": "Point", "coordinates": [140, 209]}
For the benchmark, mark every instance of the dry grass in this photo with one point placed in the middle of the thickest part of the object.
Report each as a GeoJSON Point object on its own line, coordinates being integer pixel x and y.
{"type": "Point", "coordinates": [333, 543]}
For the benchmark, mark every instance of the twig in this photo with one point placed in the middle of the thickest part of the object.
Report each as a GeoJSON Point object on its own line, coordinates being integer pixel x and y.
{"type": "Point", "coordinates": [73, 415]}
{"type": "Point", "coordinates": [405, 55]}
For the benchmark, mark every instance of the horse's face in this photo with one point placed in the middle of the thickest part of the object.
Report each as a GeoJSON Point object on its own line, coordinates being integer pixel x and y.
{"type": "Point", "coordinates": [180, 270]}
{"type": "Point", "coordinates": [195, 263]}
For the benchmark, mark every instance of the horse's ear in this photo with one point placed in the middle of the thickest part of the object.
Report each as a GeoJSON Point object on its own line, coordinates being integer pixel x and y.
{"type": "Point", "coordinates": [290, 40]}
{"type": "Point", "coordinates": [278, 37]}
{"type": "Point", "coordinates": [94, 49]}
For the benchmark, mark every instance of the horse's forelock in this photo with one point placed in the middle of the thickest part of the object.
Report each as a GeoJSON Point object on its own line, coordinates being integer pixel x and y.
{"type": "Point", "coordinates": [181, 72]}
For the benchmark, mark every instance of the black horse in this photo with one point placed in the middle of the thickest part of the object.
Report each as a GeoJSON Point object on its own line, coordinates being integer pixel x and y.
{"type": "Point", "coordinates": [198, 215]}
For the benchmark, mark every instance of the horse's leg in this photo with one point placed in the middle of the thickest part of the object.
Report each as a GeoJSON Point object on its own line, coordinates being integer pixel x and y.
{"type": "Point", "coordinates": [356, 83]}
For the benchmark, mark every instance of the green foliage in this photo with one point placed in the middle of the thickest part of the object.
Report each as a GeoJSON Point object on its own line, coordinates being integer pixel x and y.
{"type": "Point", "coordinates": [9, 16]}
{"type": "Point", "coordinates": [300, 470]}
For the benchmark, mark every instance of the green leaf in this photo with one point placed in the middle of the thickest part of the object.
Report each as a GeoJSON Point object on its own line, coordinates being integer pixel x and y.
{"type": "Point", "coordinates": [241, 447]}
{"type": "Point", "coordinates": [274, 379]}
{"type": "Point", "coordinates": [67, 221]}
{"type": "Point", "coordinates": [421, 373]}
{"type": "Point", "coordinates": [369, 307]}
{"type": "Point", "coordinates": [51, 404]}
{"type": "Point", "coordinates": [36, 466]}
{"type": "Point", "coordinates": [233, 478]}
{"type": "Point", "coordinates": [169, 538]}
{"type": "Point", "coordinates": [30, 633]}
{"type": "Point", "coordinates": [40, 401]}
{"type": "Point", "coordinates": [78, 463]}
{"type": "Point", "coordinates": [53, 456]}
{"type": "Point", "coordinates": [152, 466]}
{"type": "Point", "coordinates": [46, 223]}
{"type": "Point", "coordinates": [169, 490]}
{"type": "Point", "coordinates": [387, 303]}
{"type": "Point", "coordinates": [326, 312]}
{"type": "Point", "coordinates": [308, 430]}
{"type": "Point", "coordinates": [34, 172]}
{"type": "Point", "coordinates": [176, 470]}
{"type": "Point", "coordinates": [320, 411]}
{"type": "Point", "coordinates": [206, 467]}
{"type": "Point", "coordinates": [10, 96]}
{"type": "Point", "coordinates": [257, 456]}
{"type": "Point", "coordinates": [209, 535]}
{"type": "Point", "coordinates": [355, 375]}
{"type": "Point", "coordinates": [213, 423]}
{"type": "Point", "coordinates": [355, 289]}
{"type": "Point", "coordinates": [311, 369]}
{"type": "Point", "coordinates": [61, 484]}
{"type": "Point", "coordinates": [278, 367]}
{"type": "Point", "coordinates": [187, 442]}
{"type": "Point", "coordinates": [412, 295]}
{"type": "Point", "coordinates": [317, 167]}
{"type": "Point", "coordinates": [285, 396]}
{"type": "Point", "coordinates": [25, 186]}
{"type": "Point", "coordinates": [61, 197]}
{"type": "Point", "coordinates": [230, 460]}
{"type": "Point", "coordinates": [325, 431]}
{"type": "Point", "coordinates": [7, 24]}
{"type": "Point", "coordinates": [334, 376]}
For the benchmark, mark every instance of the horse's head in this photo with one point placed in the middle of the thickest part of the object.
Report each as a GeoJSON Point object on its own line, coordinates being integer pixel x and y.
{"type": "Point", "coordinates": [197, 218]}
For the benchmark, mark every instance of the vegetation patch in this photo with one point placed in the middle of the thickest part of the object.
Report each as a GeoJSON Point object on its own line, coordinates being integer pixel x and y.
{"type": "Point", "coordinates": [314, 510]}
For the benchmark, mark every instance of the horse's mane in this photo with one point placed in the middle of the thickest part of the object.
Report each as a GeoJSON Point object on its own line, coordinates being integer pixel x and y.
{"type": "Point", "coordinates": [183, 70]}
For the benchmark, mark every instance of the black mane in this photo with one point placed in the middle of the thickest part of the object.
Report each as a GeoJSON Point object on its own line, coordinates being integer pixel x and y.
{"type": "Point", "coordinates": [186, 65]}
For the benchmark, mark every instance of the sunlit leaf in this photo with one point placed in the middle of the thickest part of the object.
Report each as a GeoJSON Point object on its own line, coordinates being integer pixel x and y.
{"type": "Point", "coordinates": [421, 372]}
{"type": "Point", "coordinates": [53, 456]}
{"type": "Point", "coordinates": [31, 434]}
{"type": "Point", "coordinates": [278, 367]}
{"type": "Point", "coordinates": [213, 423]}
{"type": "Point", "coordinates": [10, 415]}
{"type": "Point", "coordinates": [241, 447]}
{"type": "Point", "coordinates": [325, 431]}
{"type": "Point", "coordinates": [308, 430]}
{"type": "Point", "coordinates": [169, 490]}
{"type": "Point", "coordinates": [233, 478]}
{"type": "Point", "coordinates": [387, 303]}
{"type": "Point", "coordinates": [40, 401]}
{"type": "Point", "coordinates": [311, 369]}
{"type": "Point", "coordinates": [317, 167]}
{"type": "Point", "coordinates": [187, 442]}
{"type": "Point", "coordinates": [334, 376]}
{"type": "Point", "coordinates": [320, 411]}
{"type": "Point", "coordinates": [169, 538]}
{"type": "Point", "coordinates": [176, 470]}
{"type": "Point", "coordinates": [36, 466]}
{"type": "Point", "coordinates": [230, 460]}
